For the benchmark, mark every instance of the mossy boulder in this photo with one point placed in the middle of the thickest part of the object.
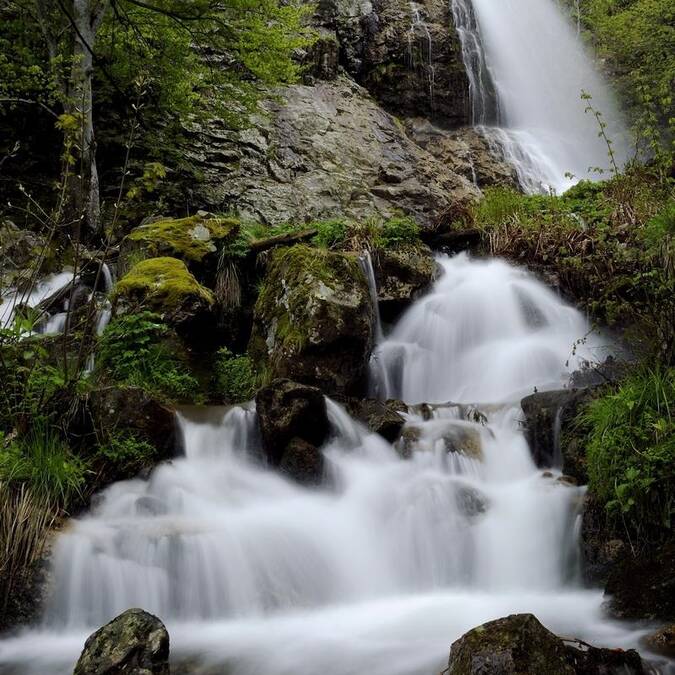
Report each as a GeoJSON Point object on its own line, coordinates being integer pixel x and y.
{"type": "Point", "coordinates": [190, 239]}
{"type": "Point", "coordinates": [134, 643]}
{"type": "Point", "coordinates": [165, 286]}
{"type": "Point", "coordinates": [313, 321]}
{"type": "Point", "coordinates": [402, 273]}
{"type": "Point", "coordinates": [520, 645]}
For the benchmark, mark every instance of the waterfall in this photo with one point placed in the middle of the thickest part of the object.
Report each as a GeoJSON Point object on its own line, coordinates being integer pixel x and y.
{"type": "Point", "coordinates": [527, 68]}
{"type": "Point", "coordinates": [404, 549]}
{"type": "Point", "coordinates": [366, 262]}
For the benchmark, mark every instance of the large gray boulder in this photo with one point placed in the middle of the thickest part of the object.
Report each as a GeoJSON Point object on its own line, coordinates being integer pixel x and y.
{"type": "Point", "coordinates": [313, 321]}
{"type": "Point", "coordinates": [321, 151]}
{"type": "Point", "coordinates": [134, 643]}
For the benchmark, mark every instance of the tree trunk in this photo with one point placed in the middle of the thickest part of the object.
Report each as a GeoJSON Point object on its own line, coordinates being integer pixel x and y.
{"type": "Point", "coordinates": [83, 186]}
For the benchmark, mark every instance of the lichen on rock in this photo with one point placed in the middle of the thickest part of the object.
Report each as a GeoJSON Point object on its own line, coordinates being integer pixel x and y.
{"type": "Point", "coordinates": [313, 321]}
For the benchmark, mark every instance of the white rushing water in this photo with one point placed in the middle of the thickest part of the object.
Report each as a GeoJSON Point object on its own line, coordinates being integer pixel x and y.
{"type": "Point", "coordinates": [527, 68]}
{"type": "Point", "coordinates": [399, 553]}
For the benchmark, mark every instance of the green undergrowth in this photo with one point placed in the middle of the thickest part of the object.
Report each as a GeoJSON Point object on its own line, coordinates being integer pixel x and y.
{"type": "Point", "coordinates": [235, 377]}
{"type": "Point", "coordinates": [610, 244]}
{"type": "Point", "coordinates": [42, 461]}
{"type": "Point", "coordinates": [126, 453]}
{"type": "Point", "coordinates": [137, 350]}
{"type": "Point", "coordinates": [630, 440]}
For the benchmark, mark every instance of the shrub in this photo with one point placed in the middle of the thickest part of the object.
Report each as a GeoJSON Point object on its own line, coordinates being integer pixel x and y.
{"type": "Point", "coordinates": [631, 453]}
{"type": "Point", "coordinates": [397, 232]}
{"type": "Point", "coordinates": [127, 453]}
{"type": "Point", "coordinates": [330, 233]}
{"type": "Point", "coordinates": [236, 379]}
{"type": "Point", "coordinates": [132, 352]}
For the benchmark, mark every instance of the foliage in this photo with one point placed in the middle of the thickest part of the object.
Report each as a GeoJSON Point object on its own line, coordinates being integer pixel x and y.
{"type": "Point", "coordinates": [25, 519]}
{"type": "Point", "coordinates": [631, 453]}
{"type": "Point", "coordinates": [164, 284]}
{"type": "Point", "coordinates": [235, 379]}
{"type": "Point", "coordinates": [126, 452]}
{"type": "Point", "coordinates": [42, 460]}
{"type": "Point", "coordinates": [131, 351]}
{"type": "Point", "coordinates": [609, 244]}
{"type": "Point", "coordinates": [637, 41]}
{"type": "Point", "coordinates": [32, 385]}
{"type": "Point", "coordinates": [330, 234]}
{"type": "Point", "coordinates": [396, 232]}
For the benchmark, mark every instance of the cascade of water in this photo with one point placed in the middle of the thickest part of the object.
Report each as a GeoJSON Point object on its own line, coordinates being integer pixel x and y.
{"type": "Point", "coordinates": [524, 55]}
{"type": "Point", "coordinates": [482, 95]}
{"type": "Point", "coordinates": [366, 262]}
{"type": "Point", "coordinates": [406, 548]}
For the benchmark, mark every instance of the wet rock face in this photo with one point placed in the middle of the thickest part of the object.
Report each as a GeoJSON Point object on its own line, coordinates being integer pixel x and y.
{"type": "Point", "coordinates": [323, 151]}
{"type": "Point", "coordinates": [313, 321]}
{"type": "Point", "coordinates": [293, 424]}
{"type": "Point", "coordinates": [465, 151]}
{"type": "Point", "coordinates": [548, 416]}
{"type": "Point", "coordinates": [644, 588]}
{"type": "Point", "coordinates": [381, 417]}
{"type": "Point", "coordinates": [406, 54]}
{"type": "Point", "coordinates": [520, 645]}
{"type": "Point", "coordinates": [134, 643]}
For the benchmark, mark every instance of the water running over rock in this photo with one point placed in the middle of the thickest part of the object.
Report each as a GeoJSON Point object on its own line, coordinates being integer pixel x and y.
{"type": "Point", "coordinates": [402, 550]}
{"type": "Point", "coordinates": [527, 69]}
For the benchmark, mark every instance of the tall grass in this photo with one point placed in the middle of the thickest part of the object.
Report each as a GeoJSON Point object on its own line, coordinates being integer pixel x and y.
{"type": "Point", "coordinates": [631, 454]}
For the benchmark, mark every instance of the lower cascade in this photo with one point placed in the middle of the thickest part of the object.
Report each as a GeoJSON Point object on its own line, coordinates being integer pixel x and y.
{"type": "Point", "coordinates": [403, 548]}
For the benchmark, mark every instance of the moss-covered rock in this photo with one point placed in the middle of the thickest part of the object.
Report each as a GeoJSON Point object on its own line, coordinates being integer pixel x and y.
{"type": "Point", "coordinates": [313, 321]}
{"type": "Point", "coordinates": [190, 239]}
{"type": "Point", "coordinates": [134, 643]}
{"type": "Point", "coordinates": [165, 286]}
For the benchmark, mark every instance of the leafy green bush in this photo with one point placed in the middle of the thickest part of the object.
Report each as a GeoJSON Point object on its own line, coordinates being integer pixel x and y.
{"type": "Point", "coordinates": [397, 232]}
{"type": "Point", "coordinates": [631, 453]}
{"type": "Point", "coordinates": [42, 460]}
{"type": "Point", "coordinates": [127, 453]}
{"type": "Point", "coordinates": [236, 379]}
{"type": "Point", "coordinates": [330, 233]}
{"type": "Point", "coordinates": [132, 351]}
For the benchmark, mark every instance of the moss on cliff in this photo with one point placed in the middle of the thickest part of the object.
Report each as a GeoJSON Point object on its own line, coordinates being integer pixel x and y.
{"type": "Point", "coordinates": [190, 239]}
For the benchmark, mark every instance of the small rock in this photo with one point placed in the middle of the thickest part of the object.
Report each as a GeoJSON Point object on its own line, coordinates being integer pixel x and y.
{"type": "Point", "coordinates": [663, 641]}
{"type": "Point", "coordinates": [288, 410]}
{"type": "Point", "coordinates": [303, 462]}
{"type": "Point", "coordinates": [134, 643]}
{"type": "Point", "coordinates": [381, 417]}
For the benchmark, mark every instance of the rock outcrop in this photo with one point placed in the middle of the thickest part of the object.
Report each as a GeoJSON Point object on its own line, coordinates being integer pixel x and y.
{"type": "Point", "coordinates": [134, 643]}
{"type": "Point", "coordinates": [313, 321]}
{"type": "Point", "coordinates": [520, 645]}
{"type": "Point", "coordinates": [293, 424]}
{"type": "Point", "coordinates": [402, 274]}
{"type": "Point", "coordinates": [322, 151]}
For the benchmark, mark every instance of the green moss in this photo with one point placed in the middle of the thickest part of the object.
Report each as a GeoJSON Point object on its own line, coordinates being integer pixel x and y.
{"type": "Point", "coordinates": [190, 239]}
{"type": "Point", "coordinates": [163, 284]}
{"type": "Point", "coordinates": [235, 379]}
{"type": "Point", "coordinates": [292, 274]}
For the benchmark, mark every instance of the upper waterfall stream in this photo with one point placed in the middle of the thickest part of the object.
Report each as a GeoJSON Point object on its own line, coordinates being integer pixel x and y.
{"type": "Point", "coordinates": [527, 68]}
{"type": "Point", "coordinates": [393, 559]}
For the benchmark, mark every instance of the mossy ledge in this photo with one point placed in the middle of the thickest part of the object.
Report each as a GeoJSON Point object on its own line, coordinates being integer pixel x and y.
{"type": "Point", "coordinates": [162, 284]}
{"type": "Point", "coordinates": [190, 239]}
